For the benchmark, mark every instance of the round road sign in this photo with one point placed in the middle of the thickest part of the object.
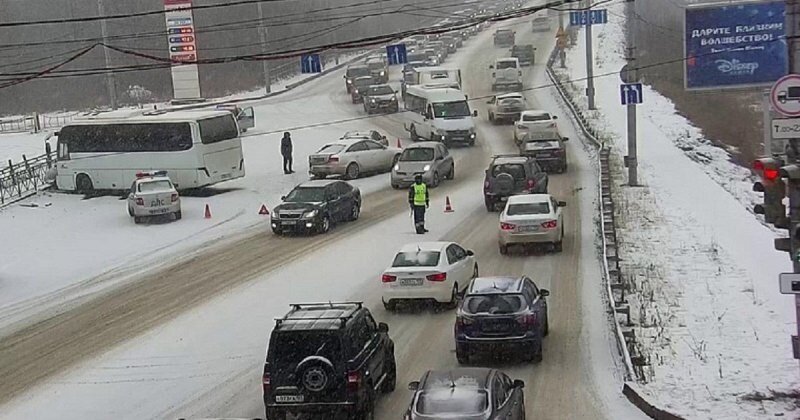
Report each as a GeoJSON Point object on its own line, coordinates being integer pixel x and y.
{"type": "Point", "coordinates": [785, 95]}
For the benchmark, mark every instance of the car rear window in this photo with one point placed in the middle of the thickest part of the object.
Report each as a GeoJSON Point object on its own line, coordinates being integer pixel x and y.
{"type": "Point", "coordinates": [506, 64]}
{"type": "Point", "coordinates": [536, 117]}
{"type": "Point", "coordinates": [452, 401]}
{"type": "Point", "coordinates": [417, 154]}
{"type": "Point", "coordinates": [288, 348]}
{"type": "Point", "coordinates": [357, 71]}
{"type": "Point", "coordinates": [494, 304]}
{"type": "Point", "coordinates": [516, 170]}
{"type": "Point", "coordinates": [528, 208]}
{"type": "Point", "coordinates": [331, 148]}
{"type": "Point", "coordinates": [416, 259]}
{"type": "Point", "coordinates": [154, 186]}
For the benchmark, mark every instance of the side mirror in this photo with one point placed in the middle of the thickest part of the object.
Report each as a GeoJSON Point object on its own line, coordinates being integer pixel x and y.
{"type": "Point", "coordinates": [555, 117]}
{"type": "Point", "coordinates": [57, 133]}
{"type": "Point", "coordinates": [470, 253]}
{"type": "Point", "coordinates": [475, 113]}
{"type": "Point", "coordinates": [283, 198]}
{"type": "Point", "coordinates": [413, 386]}
{"type": "Point", "coordinates": [564, 138]}
{"type": "Point", "coordinates": [544, 292]}
{"type": "Point", "coordinates": [518, 383]}
{"type": "Point", "coordinates": [383, 327]}
{"type": "Point", "coordinates": [562, 204]}
{"type": "Point", "coordinates": [491, 66]}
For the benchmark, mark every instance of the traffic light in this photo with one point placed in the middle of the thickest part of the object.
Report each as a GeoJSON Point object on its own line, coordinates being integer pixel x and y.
{"type": "Point", "coordinates": [774, 189]}
{"type": "Point", "coordinates": [791, 244]}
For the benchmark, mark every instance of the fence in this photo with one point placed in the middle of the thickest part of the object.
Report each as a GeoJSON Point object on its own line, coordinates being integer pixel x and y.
{"type": "Point", "coordinates": [20, 180]}
{"type": "Point", "coordinates": [35, 122]}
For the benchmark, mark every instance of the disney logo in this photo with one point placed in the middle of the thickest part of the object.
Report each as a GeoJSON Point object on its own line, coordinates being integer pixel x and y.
{"type": "Point", "coordinates": [736, 67]}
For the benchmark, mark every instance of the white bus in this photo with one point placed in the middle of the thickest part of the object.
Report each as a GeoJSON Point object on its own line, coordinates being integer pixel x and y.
{"type": "Point", "coordinates": [440, 114]}
{"type": "Point", "coordinates": [104, 152]}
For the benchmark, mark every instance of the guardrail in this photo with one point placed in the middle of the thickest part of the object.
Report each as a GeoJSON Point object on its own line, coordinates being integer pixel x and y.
{"type": "Point", "coordinates": [23, 179]}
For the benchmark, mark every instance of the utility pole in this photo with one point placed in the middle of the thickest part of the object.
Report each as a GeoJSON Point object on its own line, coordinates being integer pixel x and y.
{"type": "Point", "coordinates": [589, 60]}
{"type": "Point", "coordinates": [633, 76]}
{"type": "Point", "coordinates": [110, 80]}
{"type": "Point", "coordinates": [262, 32]}
{"type": "Point", "coordinates": [792, 30]}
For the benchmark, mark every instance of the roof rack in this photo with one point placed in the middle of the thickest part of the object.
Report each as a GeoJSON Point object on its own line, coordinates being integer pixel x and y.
{"type": "Point", "coordinates": [330, 304]}
{"type": "Point", "coordinates": [296, 306]}
{"type": "Point", "coordinates": [506, 155]}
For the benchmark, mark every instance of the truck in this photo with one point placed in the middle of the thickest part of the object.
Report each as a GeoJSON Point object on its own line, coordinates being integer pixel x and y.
{"type": "Point", "coordinates": [434, 77]}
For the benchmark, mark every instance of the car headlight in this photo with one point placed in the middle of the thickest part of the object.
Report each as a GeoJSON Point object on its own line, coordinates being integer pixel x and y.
{"type": "Point", "coordinates": [396, 167]}
{"type": "Point", "coordinates": [349, 82]}
{"type": "Point", "coordinates": [310, 214]}
{"type": "Point", "coordinates": [427, 168]}
{"type": "Point", "coordinates": [372, 100]}
{"type": "Point", "coordinates": [383, 73]}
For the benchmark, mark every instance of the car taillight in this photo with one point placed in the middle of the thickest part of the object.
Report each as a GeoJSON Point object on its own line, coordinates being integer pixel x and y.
{"type": "Point", "coordinates": [174, 197]}
{"type": "Point", "coordinates": [463, 321]}
{"type": "Point", "coordinates": [486, 185]}
{"type": "Point", "coordinates": [531, 184]}
{"type": "Point", "coordinates": [437, 277]}
{"type": "Point", "coordinates": [139, 201]}
{"type": "Point", "coordinates": [388, 278]}
{"type": "Point", "coordinates": [353, 381]}
{"type": "Point", "coordinates": [333, 159]}
{"type": "Point", "coordinates": [550, 224]}
{"type": "Point", "coordinates": [527, 320]}
{"type": "Point", "coordinates": [266, 381]}
{"type": "Point", "coordinates": [507, 226]}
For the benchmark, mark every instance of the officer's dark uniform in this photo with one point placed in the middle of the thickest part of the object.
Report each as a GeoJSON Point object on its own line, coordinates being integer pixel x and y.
{"type": "Point", "coordinates": [419, 200]}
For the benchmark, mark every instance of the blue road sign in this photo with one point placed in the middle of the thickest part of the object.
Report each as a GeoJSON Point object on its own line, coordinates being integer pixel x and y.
{"type": "Point", "coordinates": [630, 93]}
{"type": "Point", "coordinates": [310, 63]}
{"type": "Point", "coordinates": [584, 17]}
{"type": "Point", "coordinates": [397, 54]}
{"type": "Point", "coordinates": [736, 45]}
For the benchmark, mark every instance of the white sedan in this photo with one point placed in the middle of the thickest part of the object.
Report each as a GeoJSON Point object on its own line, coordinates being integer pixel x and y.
{"type": "Point", "coordinates": [532, 218]}
{"type": "Point", "coordinates": [534, 121]}
{"type": "Point", "coordinates": [438, 271]}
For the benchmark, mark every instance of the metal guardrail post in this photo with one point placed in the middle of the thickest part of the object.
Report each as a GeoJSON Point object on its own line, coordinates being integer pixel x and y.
{"type": "Point", "coordinates": [30, 173]}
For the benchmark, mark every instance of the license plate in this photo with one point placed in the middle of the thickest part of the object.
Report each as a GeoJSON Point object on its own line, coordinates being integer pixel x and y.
{"type": "Point", "coordinates": [528, 228]}
{"type": "Point", "coordinates": [494, 327]}
{"type": "Point", "coordinates": [157, 211]}
{"type": "Point", "coordinates": [226, 176]}
{"type": "Point", "coordinates": [289, 223]}
{"type": "Point", "coordinates": [289, 398]}
{"type": "Point", "coordinates": [411, 282]}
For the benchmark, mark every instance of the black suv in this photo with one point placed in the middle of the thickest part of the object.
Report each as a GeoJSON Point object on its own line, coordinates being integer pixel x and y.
{"type": "Point", "coordinates": [509, 175]}
{"type": "Point", "coordinates": [327, 359]}
{"type": "Point", "coordinates": [504, 38]}
{"type": "Point", "coordinates": [524, 53]}
{"type": "Point", "coordinates": [314, 206]}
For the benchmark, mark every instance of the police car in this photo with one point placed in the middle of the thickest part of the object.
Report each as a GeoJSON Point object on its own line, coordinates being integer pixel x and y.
{"type": "Point", "coordinates": [152, 194]}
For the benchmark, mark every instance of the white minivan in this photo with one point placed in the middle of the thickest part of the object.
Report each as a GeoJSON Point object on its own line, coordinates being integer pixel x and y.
{"type": "Point", "coordinates": [439, 114]}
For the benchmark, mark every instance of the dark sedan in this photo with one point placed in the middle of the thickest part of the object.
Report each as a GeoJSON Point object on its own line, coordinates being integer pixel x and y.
{"type": "Point", "coordinates": [467, 394]}
{"type": "Point", "coordinates": [502, 313]}
{"type": "Point", "coordinates": [314, 206]}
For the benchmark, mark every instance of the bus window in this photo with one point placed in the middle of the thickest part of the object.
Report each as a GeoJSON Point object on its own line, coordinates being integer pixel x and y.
{"type": "Point", "coordinates": [123, 138]}
{"type": "Point", "coordinates": [217, 129]}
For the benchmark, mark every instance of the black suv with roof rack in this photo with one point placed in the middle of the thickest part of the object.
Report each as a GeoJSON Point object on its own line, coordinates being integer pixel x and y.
{"type": "Point", "coordinates": [509, 175]}
{"type": "Point", "coordinates": [327, 359]}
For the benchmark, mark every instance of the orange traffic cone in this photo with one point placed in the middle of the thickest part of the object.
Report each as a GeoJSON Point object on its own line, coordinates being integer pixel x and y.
{"type": "Point", "coordinates": [208, 212]}
{"type": "Point", "coordinates": [447, 207]}
{"type": "Point", "coordinates": [399, 145]}
{"type": "Point", "coordinates": [264, 211]}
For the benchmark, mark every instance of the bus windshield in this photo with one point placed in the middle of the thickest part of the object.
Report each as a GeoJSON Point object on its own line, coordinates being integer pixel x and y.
{"type": "Point", "coordinates": [458, 109]}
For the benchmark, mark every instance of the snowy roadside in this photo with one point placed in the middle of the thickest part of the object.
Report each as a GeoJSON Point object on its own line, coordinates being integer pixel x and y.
{"type": "Point", "coordinates": [701, 267]}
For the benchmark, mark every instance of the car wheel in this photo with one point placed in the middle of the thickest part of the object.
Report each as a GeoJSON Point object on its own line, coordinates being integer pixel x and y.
{"type": "Point", "coordinates": [546, 328]}
{"type": "Point", "coordinates": [352, 171]}
{"type": "Point", "coordinates": [490, 205]}
{"type": "Point", "coordinates": [138, 219]}
{"type": "Point", "coordinates": [355, 212]}
{"type": "Point", "coordinates": [452, 173]}
{"type": "Point", "coordinates": [130, 211]}
{"type": "Point", "coordinates": [275, 414]}
{"type": "Point", "coordinates": [395, 159]}
{"type": "Point", "coordinates": [559, 245]}
{"type": "Point", "coordinates": [453, 297]}
{"type": "Point", "coordinates": [390, 383]}
{"type": "Point", "coordinates": [178, 215]}
{"type": "Point", "coordinates": [390, 305]}
{"type": "Point", "coordinates": [395, 186]}
{"type": "Point", "coordinates": [504, 249]}
{"type": "Point", "coordinates": [318, 176]}
{"type": "Point", "coordinates": [83, 183]}
{"type": "Point", "coordinates": [325, 226]}
{"type": "Point", "coordinates": [414, 136]}
{"type": "Point", "coordinates": [462, 354]}
{"type": "Point", "coordinates": [435, 182]}
{"type": "Point", "coordinates": [277, 231]}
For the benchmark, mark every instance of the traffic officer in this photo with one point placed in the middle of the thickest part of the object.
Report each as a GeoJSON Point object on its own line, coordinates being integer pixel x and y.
{"type": "Point", "coordinates": [419, 200]}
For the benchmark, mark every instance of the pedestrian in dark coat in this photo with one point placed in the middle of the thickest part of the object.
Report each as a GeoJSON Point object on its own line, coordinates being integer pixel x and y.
{"type": "Point", "coordinates": [286, 152]}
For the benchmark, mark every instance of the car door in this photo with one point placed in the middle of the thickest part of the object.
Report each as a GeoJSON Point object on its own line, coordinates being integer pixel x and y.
{"type": "Point", "coordinates": [515, 400]}
{"type": "Point", "coordinates": [539, 176]}
{"type": "Point", "coordinates": [358, 153]}
{"type": "Point", "coordinates": [335, 202]}
{"type": "Point", "coordinates": [375, 360]}
{"type": "Point", "coordinates": [345, 190]}
{"type": "Point", "coordinates": [447, 160]}
{"type": "Point", "coordinates": [376, 154]}
{"type": "Point", "coordinates": [500, 410]}
{"type": "Point", "coordinates": [556, 211]}
{"type": "Point", "coordinates": [537, 304]}
{"type": "Point", "coordinates": [428, 123]}
{"type": "Point", "coordinates": [464, 266]}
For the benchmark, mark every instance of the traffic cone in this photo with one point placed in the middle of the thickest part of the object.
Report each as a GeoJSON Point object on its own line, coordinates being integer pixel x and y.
{"type": "Point", "coordinates": [447, 207]}
{"type": "Point", "coordinates": [208, 212]}
{"type": "Point", "coordinates": [399, 145]}
{"type": "Point", "coordinates": [264, 211]}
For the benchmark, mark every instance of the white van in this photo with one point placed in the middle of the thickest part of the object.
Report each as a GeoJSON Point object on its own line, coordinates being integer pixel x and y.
{"type": "Point", "coordinates": [440, 114]}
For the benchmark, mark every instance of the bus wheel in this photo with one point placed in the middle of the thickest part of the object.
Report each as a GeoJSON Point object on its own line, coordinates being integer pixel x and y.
{"type": "Point", "coordinates": [83, 183]}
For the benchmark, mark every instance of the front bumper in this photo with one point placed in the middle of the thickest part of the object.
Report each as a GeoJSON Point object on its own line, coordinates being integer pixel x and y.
{"type": "Point", "coordinates": [440, 293]}
{"type": "Point", "coordinates": [455, 137]}
{"type": "Point", "coordinates": [405, 179]}
{"type": "Point", "coordinates": [385, 106]}
{"type": "Point", "coordinates": [541, 236]}
{"type": "Point", "coordinates": [295, 225]}
{"type": "Point", "coordinates": [143, 211]}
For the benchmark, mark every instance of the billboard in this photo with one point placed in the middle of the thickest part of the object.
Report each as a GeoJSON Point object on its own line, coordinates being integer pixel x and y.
{"type": "Point", "coordinates": [182, 48]}
{"type": "Point", "coordinates": [734, 45]}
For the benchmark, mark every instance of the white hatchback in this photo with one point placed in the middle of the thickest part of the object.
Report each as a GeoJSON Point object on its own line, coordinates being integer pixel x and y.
{"type": "Point", "coordinates": [532, 218]}
{"type": "Point", "coordinates": [534, 120]}
{"type": "Point", "coordinates": [437, 271]}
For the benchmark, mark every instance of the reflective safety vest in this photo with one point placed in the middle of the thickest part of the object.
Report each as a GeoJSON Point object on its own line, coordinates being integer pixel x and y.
{"type": "Point", "coordinates": [420, 194]}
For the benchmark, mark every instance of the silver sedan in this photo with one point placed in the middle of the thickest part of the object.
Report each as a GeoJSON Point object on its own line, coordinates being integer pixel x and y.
{"type": "Point", "coordinates": [352, 158]}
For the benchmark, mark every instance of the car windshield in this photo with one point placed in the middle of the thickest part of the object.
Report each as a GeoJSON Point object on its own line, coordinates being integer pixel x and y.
{"type": "Point", "coordinates": [331, 149]}
{"type": "Point", "coordinates": [290, 348]}
{"type": "Point", "coordinates": [416, 259]}
{"type": "Point", "coordinates": [506, 64]}
{"type": "Point", "coordinates": [417, 154]}
{"type": "Point", "coordinates": [357, 71]}
{"type": "Point", "coordinates": [452, 401]}
{"type": "Point", "coordinates": [153, 186]}
{"type": "Point", "coordinates": [494, 304]}
{"type": "Point", "coordinates": [513, 101]}
{"type": "Point", "coordinates": [306, 195]}
{"type": "Point", "coordinates": [514, 169]}
{"type": "Point", "coordinates": [381, 90]}
{"type": "Point", "coordinates": [535, 117]}
{"type": "Point", "coordinates": [416, 56]}
{"type": "Point", "coordinates": [363, 82]}
{"type": "Point", "coordinates": [458, 109]}
{"type": "Point", "coordinates": [528, 208]}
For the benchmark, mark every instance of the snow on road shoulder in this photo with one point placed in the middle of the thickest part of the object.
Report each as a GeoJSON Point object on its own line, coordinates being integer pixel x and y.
{"type": "Point", "coordinates": [705, 297]}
